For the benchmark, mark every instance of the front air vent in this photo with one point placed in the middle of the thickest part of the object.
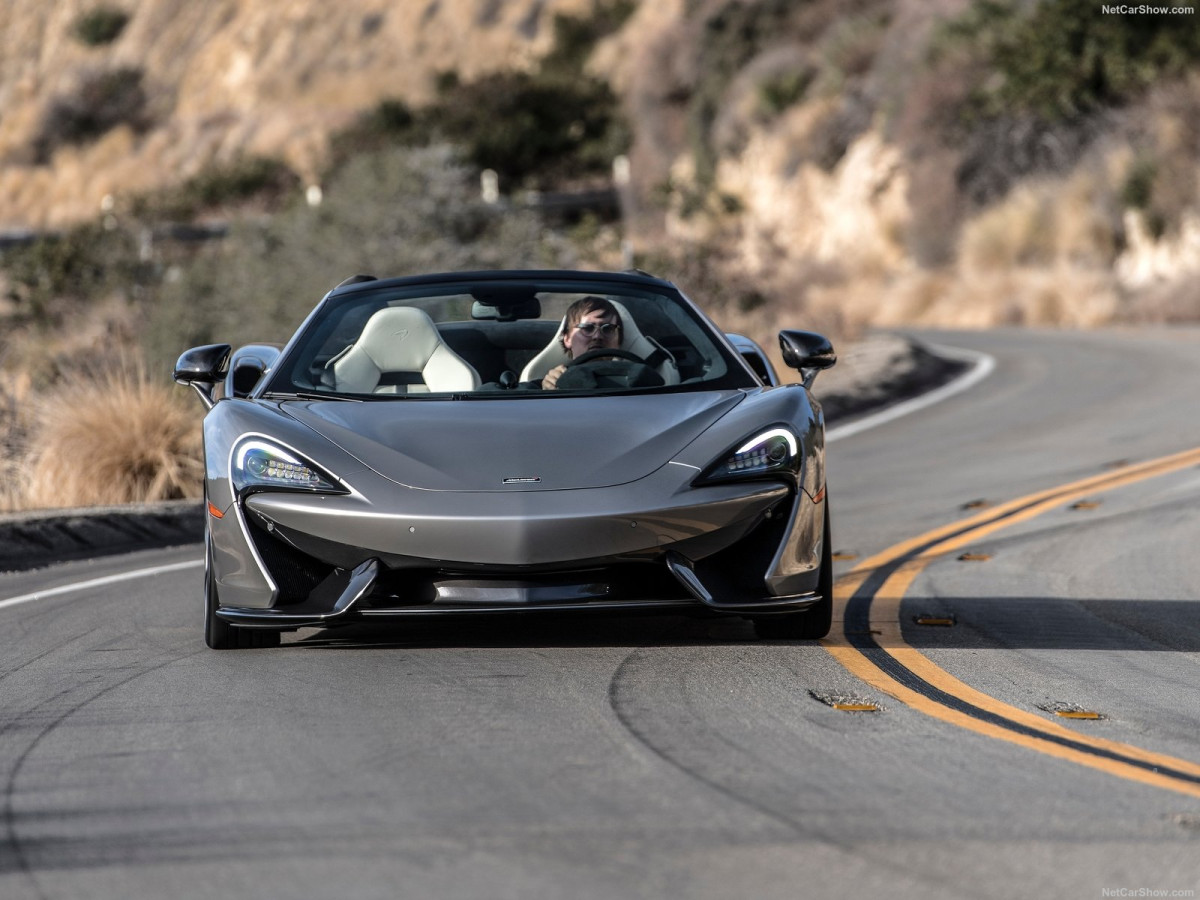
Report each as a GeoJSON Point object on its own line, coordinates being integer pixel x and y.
{"type": "Point", "coordinates": [295, 573]}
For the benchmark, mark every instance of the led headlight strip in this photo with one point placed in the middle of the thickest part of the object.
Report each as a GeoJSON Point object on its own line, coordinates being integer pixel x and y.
{"type": "Point", "coordinates": [257, 463]}
{"type": "Point", "coordinates": [775, 450]}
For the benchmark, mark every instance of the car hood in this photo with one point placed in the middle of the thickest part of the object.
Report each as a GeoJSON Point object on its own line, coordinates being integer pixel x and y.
{"type": "Point", "coordinates": [501, 445]}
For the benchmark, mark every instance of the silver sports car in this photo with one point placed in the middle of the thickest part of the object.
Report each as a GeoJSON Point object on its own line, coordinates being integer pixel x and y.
{"type": "Point", "coordinates": [510, 441]}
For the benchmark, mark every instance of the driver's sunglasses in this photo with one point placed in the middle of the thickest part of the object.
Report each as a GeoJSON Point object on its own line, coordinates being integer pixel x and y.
{"type": "Point", "coordinates": [605, 328]}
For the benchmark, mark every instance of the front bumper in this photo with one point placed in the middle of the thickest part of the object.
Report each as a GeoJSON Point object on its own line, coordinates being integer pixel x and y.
{"type": "Point", "coordinates": [289, 560]}
{"type": "Point", "coordinates": [355, 601]}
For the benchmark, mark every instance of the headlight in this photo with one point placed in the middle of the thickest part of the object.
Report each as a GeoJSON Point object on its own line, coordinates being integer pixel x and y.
{"type": "Point", "coordinates": [772, 452]}
{"type": "Point", "coordinates": [257, 463]}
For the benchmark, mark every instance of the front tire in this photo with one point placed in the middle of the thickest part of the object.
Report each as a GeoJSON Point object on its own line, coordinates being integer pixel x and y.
{"type": "Point", "coordinates": [815, 622]}
{"type": "Point", "coordinates": [219, 634]}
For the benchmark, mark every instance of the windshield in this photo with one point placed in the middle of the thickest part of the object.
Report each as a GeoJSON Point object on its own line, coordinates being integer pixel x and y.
{"type": "Point", "coordinates": [505, 338]}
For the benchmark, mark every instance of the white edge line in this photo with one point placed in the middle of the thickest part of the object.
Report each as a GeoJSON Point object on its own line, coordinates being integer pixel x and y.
{"type": "Point", "coordinates": [99, 582]}
{"type": "Point", "coordinates": [982, 365]}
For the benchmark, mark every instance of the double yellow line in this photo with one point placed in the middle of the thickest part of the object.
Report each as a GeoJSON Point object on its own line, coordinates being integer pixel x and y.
{"type": "Point", "coordinates": [872, 647]}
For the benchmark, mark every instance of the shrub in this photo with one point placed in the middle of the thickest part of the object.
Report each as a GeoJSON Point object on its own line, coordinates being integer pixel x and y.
{"type": "Point", "coordinates": [784, 89]}
{"type": "Point", "coordinates": [539, 128]}
{"type": "Point", "coordinates": [99, 26]}
{"type": "Point", "coordinates": [1063, 59]}
{"type": "Point", "coordinates": [116, 437]}
{"type": "Point", "coordinates": [390, 122]}
{"type": "Point", "coordinates": [730, 38]}
{"type": "Point", "coordinates": [525, 125]}
{"type": "Point", "coordinates": [103, 100]}
{"type": "Point", "coordinates": [259, 178]}
{"type": "Point", "coordinates": [53, 272]}
{"type": "Point", "coordinates": [832, 44]}
{"type": "Point", "coordinates": [1040, 80]}
{"type": "Point", "coordinates": [576, 36]}
{"type": "Point", "coordinates": [1138, 187]}
{"type": "Point", "coordinates": [1060, 60]}
{"type": "Point", "coordinates": [529, 127]}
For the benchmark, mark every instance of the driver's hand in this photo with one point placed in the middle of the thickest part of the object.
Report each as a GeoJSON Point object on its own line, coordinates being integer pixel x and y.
{"type": "Point", "coordinates": [551, 380]}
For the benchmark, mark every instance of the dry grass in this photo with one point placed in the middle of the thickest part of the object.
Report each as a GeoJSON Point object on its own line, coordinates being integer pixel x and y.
{"type": "Point", "coordinates": [118, 437]}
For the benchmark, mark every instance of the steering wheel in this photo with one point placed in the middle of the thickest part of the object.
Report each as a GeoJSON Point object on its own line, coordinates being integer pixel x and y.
{"type": "Point", "coordinates": [603, 353]}
{"type": "Point", "coordinates": [608, 368]}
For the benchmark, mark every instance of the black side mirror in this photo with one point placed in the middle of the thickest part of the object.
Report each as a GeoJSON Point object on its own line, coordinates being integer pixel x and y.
{"type": "Point", "coordinates": [806, 352]}
{"type": "Point", "coordinates": [202, 368]}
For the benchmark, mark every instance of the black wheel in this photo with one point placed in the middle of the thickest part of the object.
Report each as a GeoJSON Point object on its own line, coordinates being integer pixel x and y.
{"type": "Point", "coordinates": [813, 623]}
{"type": "Point", "coordinates": [219, 634]}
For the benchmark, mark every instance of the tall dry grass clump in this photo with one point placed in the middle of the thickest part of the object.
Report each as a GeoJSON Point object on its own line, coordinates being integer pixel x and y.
{"type": "Point", "coordinates": [114, 438]}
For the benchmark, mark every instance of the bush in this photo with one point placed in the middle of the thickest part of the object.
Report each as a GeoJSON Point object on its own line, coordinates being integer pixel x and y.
{"type": "Point", "coordinates": [1064, 59]}
{"type": "Point", "coordinates": [731, 37]}
{"type": "Point", "coordinates": [576, 36]}
{"type": "Point", "coordinates": [100, 26]}
{"type": "Point", "coordinates": [1138, 187]}
{"type": "Point", "coordinates": [784, 89]}
{"type": "Point", "coordinates": [391, 122]}
{"type": "Point", "coordinates": [538, 128]}
{"type": "Point", "coordinates": [1040, 81]}
{"type": "Point", "coordinates": [50, 275]}
{"type": "Point", "coordinates": [102, 101]}
{"type": "Point", "coordinates": [531, 127]}
{"type": "Point", "coordinates": [832, 46]}
{"type": "Point", "coordinates": [1060, 60]}
{"type": "Point", "coordinates": [258, 178]}
{"type": "Point", "coordinates": [115, 437]}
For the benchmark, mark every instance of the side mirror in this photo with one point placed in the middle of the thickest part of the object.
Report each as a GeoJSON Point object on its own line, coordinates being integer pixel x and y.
{"type": "Point", "coordinates": [202, 368]}
{"type": "Point", "coordinates": [806, 352]}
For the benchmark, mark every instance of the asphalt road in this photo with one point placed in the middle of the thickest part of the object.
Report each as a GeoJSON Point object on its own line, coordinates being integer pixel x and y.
{"type": "Point", "coordinates": [671, 757]}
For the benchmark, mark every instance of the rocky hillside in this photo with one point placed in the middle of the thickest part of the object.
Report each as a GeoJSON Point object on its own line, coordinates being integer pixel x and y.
{"type": "Point", "coordinates": [208, 81]}
{"type": "Point", "coordinates": [854, 162]}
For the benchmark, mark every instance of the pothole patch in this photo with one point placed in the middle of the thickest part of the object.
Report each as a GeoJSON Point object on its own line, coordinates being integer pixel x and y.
{"type": "Point", "coordinates": [846, 702]}
{"type": "Point", "coordinates": [1066, 710]}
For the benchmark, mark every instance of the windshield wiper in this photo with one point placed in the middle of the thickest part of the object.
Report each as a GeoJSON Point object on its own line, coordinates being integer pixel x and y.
{"type": "Point", "coordinates": [310, 395]}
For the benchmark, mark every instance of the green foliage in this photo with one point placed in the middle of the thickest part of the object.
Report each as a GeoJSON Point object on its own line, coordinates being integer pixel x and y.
{"type": "Point", "coordinates": [259, 178]}
{"type": "Point", "coordinates": [832, 45]}
{"type": "Point", "coordinates": [530, 127]}
{"type": "Point", "coordinates": [576, 36]}
{"type": "Point", "coordinates": [103, 100]}
{"type": "Point", "coordinates": [1138, 189]}
{"type": "Point", "coordinates": [100, 25]}
{"type": "Point", "coordinates": [46, 278]}
{"type": "Point", "coordinates": [391, 122]}
{"type": "Point", "coordinates": [784, 89]}
{"type": "Point", "coordinates": [538, 128]}
{"type": "Point", "coordinates": [1064, 58]}
{"type": "Point", "coordinates": [732, 36]}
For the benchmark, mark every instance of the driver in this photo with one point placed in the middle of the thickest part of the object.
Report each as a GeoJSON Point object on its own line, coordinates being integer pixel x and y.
{"type": "Point", "coordinates": [592, 324]}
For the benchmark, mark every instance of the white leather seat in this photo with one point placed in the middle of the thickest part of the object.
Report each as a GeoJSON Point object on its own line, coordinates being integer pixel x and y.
{"type": "Point", "coordinates": [632, 339]}
{"type": "Point", "coordinates": [401, 352]}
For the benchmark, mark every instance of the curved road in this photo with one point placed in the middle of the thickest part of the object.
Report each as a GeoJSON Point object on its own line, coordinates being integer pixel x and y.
{"type": "Point", "coordinates": [1042, 525]}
